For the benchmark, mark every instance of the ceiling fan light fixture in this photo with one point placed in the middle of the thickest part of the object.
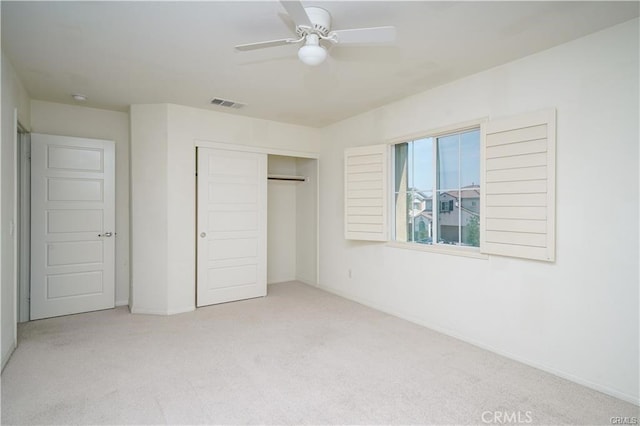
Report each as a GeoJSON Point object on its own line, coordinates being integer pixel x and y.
{"type": "Point", "coordinates": [312, 53]}
{"type": "Point", "coordinates": [312, 25]}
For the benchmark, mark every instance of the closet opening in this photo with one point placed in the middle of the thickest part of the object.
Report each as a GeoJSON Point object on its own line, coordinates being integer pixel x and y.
{"type": "Point", "coordinates": [292, 219]}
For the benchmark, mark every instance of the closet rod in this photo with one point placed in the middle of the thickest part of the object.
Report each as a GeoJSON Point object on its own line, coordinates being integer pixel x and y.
{"type": "Point", "coordinates": [287, 178]}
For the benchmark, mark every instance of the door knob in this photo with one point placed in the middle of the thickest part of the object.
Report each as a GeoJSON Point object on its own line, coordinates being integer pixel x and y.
{"type": "Point", "coordinates": [106, 234]}
{"type": "Point", "coordinates": [203, 234]}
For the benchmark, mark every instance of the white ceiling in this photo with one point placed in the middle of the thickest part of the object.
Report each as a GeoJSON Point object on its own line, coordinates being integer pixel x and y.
{"type": "Point", "coordinates": [123, 53]}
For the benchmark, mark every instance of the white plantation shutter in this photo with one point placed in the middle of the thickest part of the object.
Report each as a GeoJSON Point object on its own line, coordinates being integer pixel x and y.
{"type": "Point", "coordinates": [519, 187]}
{"type": "Point", "coordinates": [366, 194]}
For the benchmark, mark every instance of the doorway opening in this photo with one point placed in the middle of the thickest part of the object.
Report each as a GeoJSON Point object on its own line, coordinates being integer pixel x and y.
{"type": "Point", "coordinates": [292, 219]}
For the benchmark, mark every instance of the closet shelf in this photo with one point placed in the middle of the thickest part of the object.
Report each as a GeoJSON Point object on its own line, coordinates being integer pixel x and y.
{"type": "Point", "coordinates": [289, 178]}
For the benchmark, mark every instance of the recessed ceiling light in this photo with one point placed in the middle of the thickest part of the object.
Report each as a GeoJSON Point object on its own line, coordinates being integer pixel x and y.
{"type": "Point", "coordinates": [79, 97]}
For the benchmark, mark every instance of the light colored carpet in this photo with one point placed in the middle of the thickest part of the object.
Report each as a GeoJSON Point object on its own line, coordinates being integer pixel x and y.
{"type": "Point", "coordinates": [298, 356]}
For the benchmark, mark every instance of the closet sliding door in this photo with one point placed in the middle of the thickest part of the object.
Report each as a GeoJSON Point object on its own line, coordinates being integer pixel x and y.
{"type": "Point", "coordinates": [231, 226]}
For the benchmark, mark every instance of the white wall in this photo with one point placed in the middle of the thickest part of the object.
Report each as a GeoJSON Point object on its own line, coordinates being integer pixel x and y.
{"type": "Point", "coordinates": [577, 317]}
{"type": "Point", "coordinates": [149, 224]}
{"type": "Point", "coordinates": [281, 221]}
{"type": "Point", "coordinates": [169, 207]}
{"type": "Point", "coordinates": [307, 221]}
{"type": "Point", "coordinates": [71, 120]}
{"type": "Point", "coordinates": [14, 96]}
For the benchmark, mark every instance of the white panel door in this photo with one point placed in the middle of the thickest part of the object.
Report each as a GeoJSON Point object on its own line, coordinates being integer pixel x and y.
{"type": "Point", "coordinates": [72, 225]}
{"type": "Point", "coordinates": [232, 226]}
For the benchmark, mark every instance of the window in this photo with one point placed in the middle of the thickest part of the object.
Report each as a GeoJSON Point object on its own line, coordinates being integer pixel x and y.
{"type": "Point", "coordinates": [446, 206]}
{"type": "Point", "coordinates": [440, 199]}
{"type": "Point", "coordinates": [446, 167]}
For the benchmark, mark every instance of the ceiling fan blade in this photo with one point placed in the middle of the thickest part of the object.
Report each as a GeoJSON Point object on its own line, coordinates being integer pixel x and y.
{"type": "Point", "coordinates": [365, 35]}
{"type": "Point", "coordinates": [297, 13]}
{"type": "Point", "coordinates": [263, 44]}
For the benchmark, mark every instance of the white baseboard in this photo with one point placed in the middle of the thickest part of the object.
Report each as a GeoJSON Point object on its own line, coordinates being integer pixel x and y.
{"type": "Point", "coordinates": [307, 282]}
{"type": "Point", "coordinates": [145, 311]}
{"type": "Point", "coordinates": [182, 310]}
{"type": "Point", "coordinates": [584, 382]}
{"type": "Point", "coordinates": [7, 355]}
{"type": "Point", "coordinates": [281, 282]}
{"type": "Point", "coordinates": [294, 280]}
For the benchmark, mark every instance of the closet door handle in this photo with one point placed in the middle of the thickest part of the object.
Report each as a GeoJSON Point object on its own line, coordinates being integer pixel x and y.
{"type": "Point", "coordinates": [106, 234]}
{"type": "Point", "coordinates": [203, 235]}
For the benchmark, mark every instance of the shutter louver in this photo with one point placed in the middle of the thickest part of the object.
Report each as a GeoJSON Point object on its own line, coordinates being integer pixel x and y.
{"type": "Point", "coordinates": [519, 187]}
{"type": "Point", "coordinates": [365, 189]}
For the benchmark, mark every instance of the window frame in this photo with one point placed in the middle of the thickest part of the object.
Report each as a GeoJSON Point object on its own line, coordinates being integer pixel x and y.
{"type": "Point", "coordinates": [456, 250]}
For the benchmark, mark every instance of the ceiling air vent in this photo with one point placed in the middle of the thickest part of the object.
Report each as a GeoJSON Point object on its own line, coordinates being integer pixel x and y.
{"type": "Point", "coordinates": [226, 103]}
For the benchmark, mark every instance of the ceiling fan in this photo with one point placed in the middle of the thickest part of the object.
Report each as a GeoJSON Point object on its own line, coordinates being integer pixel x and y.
{"type": "Point", "coordinates": [313, 25]}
